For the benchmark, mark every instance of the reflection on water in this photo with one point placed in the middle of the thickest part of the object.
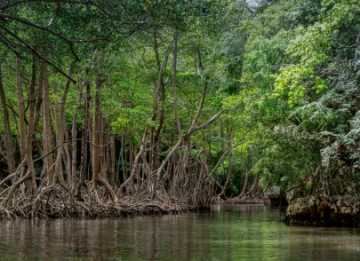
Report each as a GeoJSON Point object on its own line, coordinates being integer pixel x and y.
{"type": "Point", "coordinates": [246, 232]}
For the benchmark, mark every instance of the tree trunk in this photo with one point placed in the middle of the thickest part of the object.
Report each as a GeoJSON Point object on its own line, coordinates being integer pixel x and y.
{"type": "Point", "coordinates": [20, 98]}
{"type": "Point", "coordinates": [31, 127]}
{"type": "Point", "coordinates": [122, 157]}
{"type": "Point", "coordinates": [174, 82]}
{"type": "Point", "coordinates": [159, 95]}
{"type": "Point", "coordinates": [229, 170]}
{"type": "Point", "coordinates": [113, 160]}
{"type": "Point", "coordinates": [255, 186]}
{"type": "Point", "coordinates": [85, 134]}
{"type": "Point", "coordinates": [67, 159]}
{"type": "Point", "coordinates": [135, 163]}
{"type": "Point", "coordinates": [7, 130]}
{"type": "Point", "coordinates": [60, 131]}
{"type": "Point", "coordinates": [245, 184]}
{"type": "Point", "coordinates": [95, 150]}
{"type": "Point", "coordinates": [47, 137]}
{"type": "Point", "coordinates": [74, 134]}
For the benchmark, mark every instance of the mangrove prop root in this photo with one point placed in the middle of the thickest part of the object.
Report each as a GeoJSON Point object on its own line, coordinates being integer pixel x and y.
{"type": "Point", "coordinates": [56, 202]}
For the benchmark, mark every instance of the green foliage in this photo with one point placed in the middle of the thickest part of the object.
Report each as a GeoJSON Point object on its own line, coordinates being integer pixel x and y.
{"type": "Point", "coordinates": [284, 73]}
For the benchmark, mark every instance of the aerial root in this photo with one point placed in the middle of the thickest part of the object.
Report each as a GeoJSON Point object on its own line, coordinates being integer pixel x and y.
{"type": "Point", "coordinates": [57, 202]}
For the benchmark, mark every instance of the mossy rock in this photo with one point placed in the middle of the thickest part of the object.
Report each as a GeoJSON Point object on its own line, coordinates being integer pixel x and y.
{"type": "Point", "coordinates": [324, 211]}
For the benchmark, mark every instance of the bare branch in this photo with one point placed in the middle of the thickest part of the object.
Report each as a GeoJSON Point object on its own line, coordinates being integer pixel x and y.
{"type": "Point", "coordinates": [206, 124]}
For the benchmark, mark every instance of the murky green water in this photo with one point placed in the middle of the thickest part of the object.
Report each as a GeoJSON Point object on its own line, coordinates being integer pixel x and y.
{"type": "Point", "coordinates": [246, 232]}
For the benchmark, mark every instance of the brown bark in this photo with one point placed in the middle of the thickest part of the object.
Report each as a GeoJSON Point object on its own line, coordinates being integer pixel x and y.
{"type": "Point", "coordinates": [159, 96]}
{"type": "Point", "coordinates": [135, 163]}
{"type": "Point", "coordinates": [47, 131]}
{"type": "Point", "coordinates": [60, 133]}
{"type": "Point", "coordinates": [74, 134]}
{"type": "Point", "coordinates": [67, 159]}
{"type": "Point", "coordinates": [243, 191]}
{"type": "Point", "coordinates": [85, 134]}
{"type": "Point", "coordinates": [59, 137]}
{"type": "Point", "coordinates": [7, 130]}
{"type": "Point", "coordinates": [96, 153]}
{"type": "Point", "coordinates": [20, 98]}
{"type": "Point", "coordinates": [29, 139]}
{"type": "Point", "coordinates": [86, 127]}
{"type": "Point", "coordinates": [97, 146]}
{"type": "Point", "coordinates": [248, 167]}
{"type": "Point", "coordinates": [229, 169]}
{"type": "Point", "coordinates": [255, 186]}
{"type": "Point", "coordinates": [39, 98]}
{"type": "Point", "coordinates": [122, 157]}
{"type": "Point", "coordinates": [113, 160]}
{"type": "Point", "coordinates": [174, 83]}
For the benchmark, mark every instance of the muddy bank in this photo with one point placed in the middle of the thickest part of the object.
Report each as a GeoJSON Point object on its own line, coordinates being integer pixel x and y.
{"type": "Point", "coordinates": [342, 211]}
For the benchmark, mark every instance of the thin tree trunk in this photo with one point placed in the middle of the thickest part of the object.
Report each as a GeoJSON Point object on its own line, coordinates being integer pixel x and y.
{"type": "Point", "coordinates": [7, 130]}
{"type": "Point", "coordinates": [95, 150]}
{"type": "Point", "coordinates": [229, 170]}
{"type": "Point", "coordinates": [20, 98]}
{"type": "Point", "coordinates": [85, 134]}
{"type": "Point", "coordinates": [74, 134]}
{"type": "Point", "coordinates": [39, 98]}
{"type": "Point", "coordinates": [113, 160]}
{"type": "Point", "coordinates": [160, 87]}
{"type": "Point", "coordinates": [60, 131]}
{"type": "Point", "coordinates": [193, 127]}
{"type": "Point", "coordinates": [68, 160]}
{"type": "Point", "coordinates": [123, 158]}
{"type": "Point", "coordinates": [135, 163]}
{"type": "Point", "coordinates": [174, 83]}
{"type": "Point", "coordinates": [59, 134]}
{"type": "Point", "coordinates": [47, 138]}
{"type": "Point", "coordinates": [254, 188]}
{"type": "Point", "coordinates": [29, 139]}
{"type": "Point", "coordinates": [245, 184]}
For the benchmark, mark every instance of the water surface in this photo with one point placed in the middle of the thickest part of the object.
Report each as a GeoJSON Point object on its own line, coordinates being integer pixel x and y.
{"type": "Point", "coordinates": [245, 232]}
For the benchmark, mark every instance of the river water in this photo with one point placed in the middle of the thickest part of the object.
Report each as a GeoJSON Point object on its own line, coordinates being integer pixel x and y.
{"type": "Point", "coordinates": [238, 232]}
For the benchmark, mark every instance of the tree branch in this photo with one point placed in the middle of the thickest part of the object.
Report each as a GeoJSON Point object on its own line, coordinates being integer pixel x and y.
{"type": "Point", "coordinates": [28, 46]}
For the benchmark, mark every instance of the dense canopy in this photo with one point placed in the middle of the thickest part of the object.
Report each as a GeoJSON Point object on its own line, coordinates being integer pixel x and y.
{"type": "Point", "coordinates": [173, 104]}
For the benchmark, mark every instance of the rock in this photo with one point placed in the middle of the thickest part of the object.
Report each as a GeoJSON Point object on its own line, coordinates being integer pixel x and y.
{"type": "Point", "coordinates": [275, 196]}
{"type": "Point", "coordinates": [273, 191]}
{"type": "Point", "coordinates": [324, 211]}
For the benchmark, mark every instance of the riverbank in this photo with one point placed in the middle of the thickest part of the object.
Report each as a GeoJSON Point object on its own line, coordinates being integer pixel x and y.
{"type": "Point", "coordinates": [338, 211]}
{"type": "Point", "coordinates": [92, 210]}
{"type": "Point", "coordinates": [242, 200]}
{"type": "Point", "coordinates": [59, 203]}
{"type": "Point", "coordinates": [56, 202]}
